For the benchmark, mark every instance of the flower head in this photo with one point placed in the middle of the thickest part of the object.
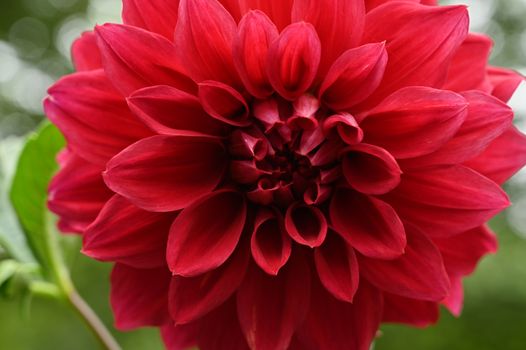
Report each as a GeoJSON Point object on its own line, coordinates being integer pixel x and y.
{"type": "Point", "coordinates": [284, 174]}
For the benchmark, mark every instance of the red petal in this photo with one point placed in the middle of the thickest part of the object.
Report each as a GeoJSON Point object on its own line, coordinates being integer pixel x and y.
{"type": "Point", "coordinates": [166, 173]}
{"type": "Point", "coordinates": [246, 171]}
{"type": "Point", "coordinates": [93, 116]}
{"type": "Point", "coordinates": [354, 76]}
{"type": "Point", "coordinates": [503, 158]}
{"type": "Point", "coordinates": [193, 297]}
{"type": "Point", "coordinates": [468, 67]}
{"type": "Point", "coordinates": [487, 119]}
{"type": "Point", "coordinates": [126, 234]}
{"type": "Point", "coordinates": [256, 33]}
{"type": "Point", "coordinates": [158, 16]}
{"type": "Point", "coordinates": [504, 81]}
{"type": "Point", "coordinates": [463, 252]}
{"type": "Point", "coordinates": [371, 4]}
{"type": "Point", "coordinates": [416, 313]}
{"type": "Point", "coordinates": [339, 24]}
{"type": "Point", "coordinates": [85, 53]}
{"type": "Point", "coordinates": [418, 274]}
{"type": "Point", "coordinates": [203, 38]}
{"type": "Point", "coordinates": [306, 224]}
{"type": "Point", "coordinates": [270, 244]}
{"type": "Point", "coordinates": [455, 300]}
{"type": "Point", "coordinates": [467, 199]}
{"type": "Point", "coordinates": [337, 267]}
{"type": "Point", "coordinates": [277, 10]}
{"type": "Point", "coordinates": [170, 111]}
{"type": "Point", "coordinates": [415, 57]}
{"type": "Point", "coordinates": [206, 233]}
{"type": "Point", "coordinates": [415, 121]}
{"type": "Point", "coordinates": [248, 144]}
{"type": "Point", "coordinates": [180, 337]}
{"type": "Point", "coordinates": [220, 330]}
{"type": "Point", "coordinates": [223, 103]}
{"type": "Point", "coordinates": [368, 224]}
{"type": "Point", "coordinates": [77, 194]}
{"type": "Point", "coordinates": [346, 126]}
{"type": "Point", "coordinates": [139, 297]}
{"type": "Point", "coordinates": [134, 58]}
{"type": "Point", "coordinates": [270, 309]}
{"type": "Point", "coordinates": [370, 169]}
{"type": "Point", "coordinates": [293, 60]}
{"type": "Point", "coordinates": [335, 325]}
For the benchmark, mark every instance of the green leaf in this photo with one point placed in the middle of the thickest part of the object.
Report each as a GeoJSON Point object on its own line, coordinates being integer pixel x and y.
{"type": "Point", "coordinates": [12, 237]}
{"type": "Point", "coordinates": [7, 270]}
{"type": "Point", "coordinates": [36, 166]}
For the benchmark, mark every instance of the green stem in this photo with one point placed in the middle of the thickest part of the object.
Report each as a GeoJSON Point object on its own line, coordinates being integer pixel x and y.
{"type": "Point", "coordinates": [93, 322]}
{"type": "Point", "coordinates": [61, 276]}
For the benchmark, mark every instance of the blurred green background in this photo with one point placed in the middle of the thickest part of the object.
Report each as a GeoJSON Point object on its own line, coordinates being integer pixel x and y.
{"type": "Point", "coordinates": [35, 36]}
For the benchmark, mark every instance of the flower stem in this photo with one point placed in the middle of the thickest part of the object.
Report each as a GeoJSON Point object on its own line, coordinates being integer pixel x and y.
{"type": "Point", "coordinates": [62, 278]}
{"type": "Point", "coordinates": [92, 321]}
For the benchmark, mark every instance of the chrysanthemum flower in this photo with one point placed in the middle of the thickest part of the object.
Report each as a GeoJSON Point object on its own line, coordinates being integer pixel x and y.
{"type": "Point", "coordinates": [284, 174]}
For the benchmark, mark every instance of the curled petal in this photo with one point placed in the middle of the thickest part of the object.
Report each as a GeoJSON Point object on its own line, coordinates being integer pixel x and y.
{"type": "Point", "coordinates": [466, 198]}
{"type": "Point", "coordinates": [503, 158]}
{"type": "Point", "coordinates": [158, 16]}
{"type": "Point", "coordinates": [415, 121]}
{"type": "Point", "coordinates": [170, 111]}
{"type": "Point", "coordinates": [304, 117]}
{"type": "Point", "coordinates": [418, 274]}
{"type": "Point", "coordinates": [346, 126]}
{"type": "Point", "coordinates": [223, 103]}
{"type": "Point", "coordinates": [191, 298]}
{"type": "Point", "coordinates": [368, 224]}
{"type": "Point", "coordinates": [337, 267]}
{"type": "Point", "coordinates": [306, 224]}
{"type": "Point", "coordinates": [264, 192]}
{"type": "Point", "coordinates": [139, 296]}
{"type": "Point", "coordinates": [248, 144]}
{"type": "Point", "coordinates": [246, 171]}
{"type": "Point", "coordinates": [370, 169]}
{"type": "Point", "coordinates": [267, 111]}
{"type": "Point", "coordinates": [256, 33]}
{"type": "Point", "coordinates": [203, 38]}
{"type": "Point", "coordinates": [338, 23]}
{"type": "Point", "coordinates": [206, 233]}
{"type": "Point", "coordinates": [85, 53]}
{"type": "Point", "coordinates": [415, 57]}
{"type": "Point", "coordinates": [134, 58]}
{"type": "Point", "coordinates": [327, 153]}
{"type": "Point", "coordinates": [270, 244]}
{"type": "Point", "coordinates": [180, 337]}
{"type": "Point", "coordinates": [166, 173]}
{"type": "Point", "coordinates": [293, 60]}
{"type": "Point", "coordinates": [271, 308]}
{"type": "Point", "coordinates": [316, 194]}
{"type": "Point", "coordinates": [354, 76]}
{"type": "Point", "coordinates": [126, 234]}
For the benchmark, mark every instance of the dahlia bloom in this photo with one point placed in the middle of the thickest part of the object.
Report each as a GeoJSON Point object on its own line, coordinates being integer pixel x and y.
{"type": "Point", "coordinates": [284, 174]}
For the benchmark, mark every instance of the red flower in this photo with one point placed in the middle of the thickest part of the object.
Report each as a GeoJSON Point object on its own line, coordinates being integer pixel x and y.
{"type": "Point", "coordinates": [284, 174]}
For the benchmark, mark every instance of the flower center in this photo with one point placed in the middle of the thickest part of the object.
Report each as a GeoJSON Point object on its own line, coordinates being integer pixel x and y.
{"type": "Point", "coordinates": [287, 154]}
